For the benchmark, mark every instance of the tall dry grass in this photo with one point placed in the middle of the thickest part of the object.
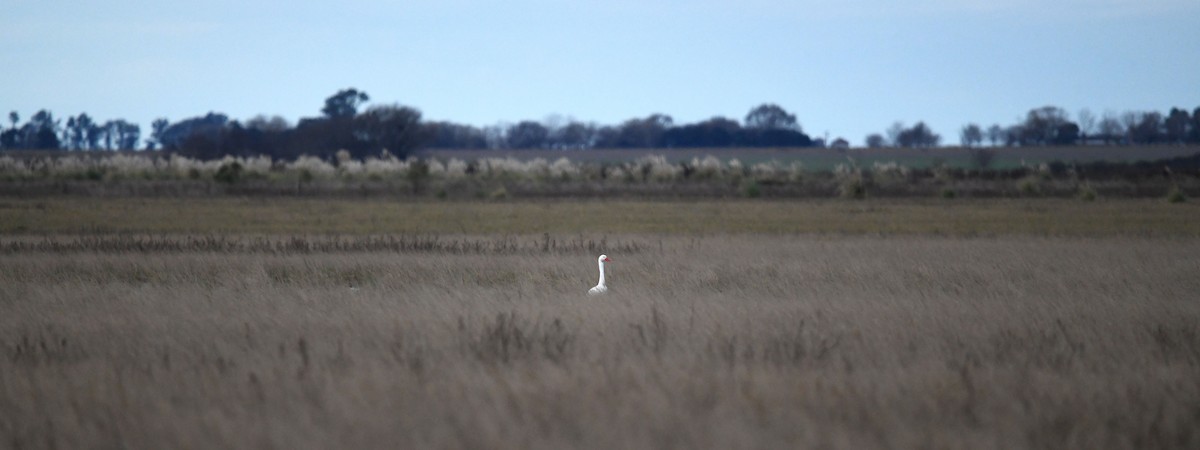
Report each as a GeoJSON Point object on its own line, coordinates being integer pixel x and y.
{"type": "Point", "coordinates": [673, 174]}
{"type": "Point", "coordinates": [719, 342]}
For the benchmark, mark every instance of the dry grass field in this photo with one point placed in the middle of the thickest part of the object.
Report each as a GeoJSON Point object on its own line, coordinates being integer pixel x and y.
{"type": "Point", "coordinates": [339, 324]}
{"type": "Point", "coordinates": [595, 218]}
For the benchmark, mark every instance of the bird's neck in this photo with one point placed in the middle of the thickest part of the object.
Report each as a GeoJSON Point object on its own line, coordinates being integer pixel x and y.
{"type": "Point", "coordinates": [601, 273]}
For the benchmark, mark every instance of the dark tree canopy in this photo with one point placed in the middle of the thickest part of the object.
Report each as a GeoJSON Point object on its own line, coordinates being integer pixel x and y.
{"type": "Point", "coordinates": [1175, 126]}
{"type": "Point", "coordinates": [528, 134]}
{"type": "Point", "coordinates": [641, 133]}
{"type": "Point", "coordinates": [1048, 125]}
{"type": "Point", "coordinates": [920, 136]}
{"type": "Point", "coordinates": [770, 116]}
{"type": "Point", "coordinates": [41, 132]}
{"type": "Point", "coordinates": [714, 132]}
{"type": "Point", "coordinates": [344, 103]}
{"type": "Point", "coordinates": [875, 140]}
{"type": "Point", "coordinates": [207, 127]}
{"type": "Point", "coordinates": [453, 135]}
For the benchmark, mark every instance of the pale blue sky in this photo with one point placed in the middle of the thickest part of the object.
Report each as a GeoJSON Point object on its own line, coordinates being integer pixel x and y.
{"type": "Point", "coordinates": [848, 68]}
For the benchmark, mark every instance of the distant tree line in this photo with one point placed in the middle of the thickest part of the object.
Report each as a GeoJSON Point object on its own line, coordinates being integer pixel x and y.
{"type": "Point", "coordinates": [341, 127]}
{"type": "Point", "coordinates": [344, 124]}
{"type": "Point", "coordinates": [396, 129]}
{"type": "Point", "coordinates": [1051, 125]}
{"type": "Point", "coordinates": [767, 125]}
{"type": "Point", "coordinates": [44, 132]}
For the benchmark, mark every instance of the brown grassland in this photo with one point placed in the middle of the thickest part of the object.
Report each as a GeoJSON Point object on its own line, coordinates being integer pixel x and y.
{"type": "Point", "coordinates": [327, 323]}
{"type": "Point", "coordinates": [301, 216]}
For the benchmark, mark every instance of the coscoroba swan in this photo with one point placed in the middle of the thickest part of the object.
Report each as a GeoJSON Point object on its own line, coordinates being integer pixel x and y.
{"type": "Point", "coordinates": [600, 288]}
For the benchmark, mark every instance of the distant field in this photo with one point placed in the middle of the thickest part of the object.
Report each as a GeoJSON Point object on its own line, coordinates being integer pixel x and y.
{"type": "Point", "coordinates": [960, 217]}
{"type": "Point", "coordinates": [826, 159]}
{"type": "Point", "coordinates": [625, 174]}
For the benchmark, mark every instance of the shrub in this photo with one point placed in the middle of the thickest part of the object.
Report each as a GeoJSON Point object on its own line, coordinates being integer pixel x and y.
{"type": "Point", "coordinates": [853, 188]}
{"type": "Point", "coordinates": [314, 166]}
{"type": "Point", "coordinates": [942, 172]}
{"type": "Point", "coordinates": [708, 168]}
{"type": "Point", "coordinates": [563, 169]}
{"type": "Point", "coordinates": [657, 168]}
{"type": "Point", "coordinates": [435, 168]}
{"type": "Point", "coordinates": [796, 172]}
{"type": "Point", "coordinates": [1029, 186]}
{"type": "Point", "coordinates": [768, 171]}
{"type": "Point", "coordinates": [1175, 195]}
{"type": "Point", "coordinates": [456, 168]}
{"type": "Point", "coordinates": [948, 193]}
{"type": "Point", "coordinates": [385, 165]}
{"type": "Point", "coordinates": [229, 173]}
{"type": "Point", "coordinates": [736, 170]}
{"type": "Point", "coordinates": [350, 168]}
{"type": "Point", "coordinates": [617, 173]}
{"type": "Point", "coordinates": [1086, 193]}
{"type": "Point", "coordinates": [418, 173]}
{"type": "Point", "coordinates": [751, 189]}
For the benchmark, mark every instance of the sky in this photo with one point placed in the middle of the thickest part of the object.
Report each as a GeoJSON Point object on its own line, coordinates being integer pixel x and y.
{"type": "Point", "coordinates": [844, 68]}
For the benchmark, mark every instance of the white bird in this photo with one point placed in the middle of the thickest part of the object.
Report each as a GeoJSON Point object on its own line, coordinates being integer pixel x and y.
{"type": "Point", "coordinates": [600, 288]}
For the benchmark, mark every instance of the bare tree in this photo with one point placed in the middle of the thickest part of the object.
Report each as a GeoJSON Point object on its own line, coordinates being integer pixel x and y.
{"type": "Point", "coordinates": [971, 135]}
{"type": "Point", "coordinates": [495, 135]}
{"type": "Point", "coordinates": [157, 128]}
{"type": "Point", "coordinates": [80, 138]}
{"type": "Point", "coordinates": [894, 132]}
{"type": "Point", "coordinates": [1110, 127]}
{"type": "Point", "coordinates": [1087, 121]}
{"type": "Point", "coordinates": [995, 134]}
{"type": "Point", "coordinates": [1129, 122]}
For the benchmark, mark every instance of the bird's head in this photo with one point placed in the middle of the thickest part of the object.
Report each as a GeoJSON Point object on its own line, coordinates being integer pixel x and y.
{"type": "Point", "coordinates": [604, 258]}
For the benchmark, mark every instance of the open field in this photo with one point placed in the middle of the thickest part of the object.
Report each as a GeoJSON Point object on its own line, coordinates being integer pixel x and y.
{"type": "Point", "coordinates": [724, 342]}
{"type": "Point", "coordinates": [595, 218]}
{"type": "Point", "coordinates": [318, 323]}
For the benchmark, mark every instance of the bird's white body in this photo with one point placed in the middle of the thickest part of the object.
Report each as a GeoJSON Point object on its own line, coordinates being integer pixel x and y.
{"type": "Point", "coordinates": [600, 288]}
